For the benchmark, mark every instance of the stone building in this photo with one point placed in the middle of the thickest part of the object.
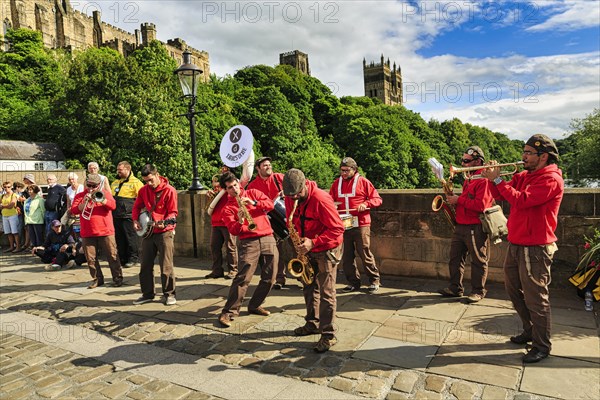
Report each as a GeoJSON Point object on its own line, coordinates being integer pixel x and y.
{"type": "Point", "coordinates": [296, 59]}
{"type": "Point", "coordinates": [383, 82]}
{"type": "Point", "coordinates": [64, 27]}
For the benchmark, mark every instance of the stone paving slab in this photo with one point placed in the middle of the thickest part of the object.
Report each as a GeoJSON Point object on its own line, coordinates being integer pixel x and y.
{"type": "Point", "coordinates": [396, 353]}
{"type": "Point", "coordinates": [474, 360]}
{"type": "Point", "coordinates": [562, 378]}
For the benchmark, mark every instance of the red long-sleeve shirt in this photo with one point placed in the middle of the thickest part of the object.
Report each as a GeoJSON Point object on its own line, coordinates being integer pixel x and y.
{"type": "Point", "coordinates": [165, 208]}
{"type": "Point", "coordinates": [268, 186]}
{"type": "Point", "coordinates": [476, 196]}
{"type": "Point", "coordinates": [317, 218]}
{"type": "Point", "coordinates": [534, 199]}
{"type": "Point", "coordinates": [216, 218]}
{"type": "Point", "coordinates": [101, 220]}
{"type": "Point", "coordinates": [258, 214]}
{"type": "Point", "coordinates": [352, 193]}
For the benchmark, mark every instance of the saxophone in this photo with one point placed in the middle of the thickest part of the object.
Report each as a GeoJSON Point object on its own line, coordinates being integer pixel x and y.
{"type": "Point", "coordinates": [247, 216]}
{"type": "Point", "coordinates": [299, 267]}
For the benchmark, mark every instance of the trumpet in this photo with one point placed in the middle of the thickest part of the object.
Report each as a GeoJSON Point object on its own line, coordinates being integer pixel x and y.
{"type": "Point", "coordinates": [95, 197]}
{"type": "Point", "coordinates": [465, 170]}
{"type": "Point", "coordinates": [246, 213]}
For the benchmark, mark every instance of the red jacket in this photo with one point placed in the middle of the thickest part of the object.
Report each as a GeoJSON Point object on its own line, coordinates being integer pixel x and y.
{"type": "Point", "coordinates": [216, 218]}
{"type": "Point", "coordinates": [534, 199]}
{"type": "Point", "coordinates": [101, 220]}
{"type": "Point", "coordinates": [322, 222]}
{"type": "Point", "coordinates": [476, 196]}
{"type": "Point", "coordinates": [258, 214]}
{"type": "Point", "coordinates": [268, 186]}
{"type": "Point", "coordinates": [166, 208]}
{"type": "Point", "coordinates": [351, 196]}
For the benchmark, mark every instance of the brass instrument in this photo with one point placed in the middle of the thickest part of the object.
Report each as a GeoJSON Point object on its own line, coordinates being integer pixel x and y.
{"type": "Point", "coordinates": [95, 197]}
{"type": "Point", "coordinates": [246, 213]}
{"type": "Point", "coordinates": [299, 267]}
{"type": "Point", "coordinates": [465, 170]}
{"type": "Point", "coordinates": [438, 201]}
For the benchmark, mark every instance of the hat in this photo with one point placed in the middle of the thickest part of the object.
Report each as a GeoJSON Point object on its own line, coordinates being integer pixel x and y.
{"type": "Point", "coordinates": [475, 152]}
{"type": "Point", "coordinates": [56, 223]}
{"type": "Point", "coordinates": [261, 160]}
{"type": "Point", "coordinates": [293, 182]}
{"type": "Point", "coordinates": [93, 178]}
{"type": "Point", "coordinates": [543, 144]}
{"type": "Point", "coordinates": [30, 178]}
{"type": "Point", "coordinates": [349, 162]}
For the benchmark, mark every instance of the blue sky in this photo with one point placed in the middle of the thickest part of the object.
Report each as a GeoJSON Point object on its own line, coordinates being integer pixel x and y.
{"type": "Point", "coordinates": [518, 68]}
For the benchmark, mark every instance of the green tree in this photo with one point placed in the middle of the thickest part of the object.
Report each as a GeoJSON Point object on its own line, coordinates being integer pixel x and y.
{"type": "Point", "coordinates": [579, 152]}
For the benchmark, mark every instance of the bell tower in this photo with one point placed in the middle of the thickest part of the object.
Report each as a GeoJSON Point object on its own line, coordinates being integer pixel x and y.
{"type": "Point", "coordinates": [383, 81]}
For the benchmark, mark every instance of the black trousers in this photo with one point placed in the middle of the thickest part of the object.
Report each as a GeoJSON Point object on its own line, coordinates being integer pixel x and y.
{"type": "Point", "coordinates": [127, 240]}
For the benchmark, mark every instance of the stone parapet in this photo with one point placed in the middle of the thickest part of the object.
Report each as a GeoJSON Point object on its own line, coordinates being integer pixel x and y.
{"type": "Point", "coordinates": [409, 239]}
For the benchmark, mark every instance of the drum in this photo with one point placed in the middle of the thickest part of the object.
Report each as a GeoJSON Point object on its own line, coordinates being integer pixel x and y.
{"type": "Point", "coordinates": [277, 218]}
{"type": "Point", "coordinates": [349, 221]}
{"type": "Point", "coordinates": [145, 220]}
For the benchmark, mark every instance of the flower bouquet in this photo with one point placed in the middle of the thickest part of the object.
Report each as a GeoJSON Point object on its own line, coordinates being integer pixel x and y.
{"type": "Point", "coordinates": [587, 273]}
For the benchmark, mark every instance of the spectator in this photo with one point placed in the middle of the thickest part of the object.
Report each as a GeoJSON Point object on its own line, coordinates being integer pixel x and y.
{"type": "Point", "coordinates": [57, 247]}
{"type": "Point", "coordinates": [55, 201]}
{"type": "Point", "coordinates": [35, 209]}
{"type": "Point", "coordinates": [10, 217]}
{"type": "Point", "coordinates": [93, 168]}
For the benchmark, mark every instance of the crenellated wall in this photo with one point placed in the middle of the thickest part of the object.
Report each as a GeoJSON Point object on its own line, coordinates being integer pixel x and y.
{"type": "Point", "coordinates": [408, 239]}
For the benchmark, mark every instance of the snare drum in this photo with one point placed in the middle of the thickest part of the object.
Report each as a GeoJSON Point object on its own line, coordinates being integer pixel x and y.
{"type": "Point", "coordinates": [349, 221]}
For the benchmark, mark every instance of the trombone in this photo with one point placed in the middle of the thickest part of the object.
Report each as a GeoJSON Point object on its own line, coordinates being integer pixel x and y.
{"type": "Point", "coordinates": [466, 170]}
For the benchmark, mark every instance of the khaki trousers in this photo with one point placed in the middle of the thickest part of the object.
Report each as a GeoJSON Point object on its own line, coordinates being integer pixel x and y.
{"type": "Point", "coordinates": [526, 277]}
{"type": "Point", "coordinates": [319, 296]}
{"type": "Point", "coordinates": [251, 250]}
{"type": "Point", "coordinates": [359, 240]}
{"type": "Point", "coordinates": [469, 239]}
{"type": "Point", "coordinates": [161, 244]}
{"type": "Point", "coordinates": [109, 247]}
{"type": "Point", "coordinates": [220, 235]}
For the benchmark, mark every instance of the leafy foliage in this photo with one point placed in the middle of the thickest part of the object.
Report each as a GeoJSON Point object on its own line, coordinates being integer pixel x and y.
{"type": "Point", "coordinates": [99, 106]}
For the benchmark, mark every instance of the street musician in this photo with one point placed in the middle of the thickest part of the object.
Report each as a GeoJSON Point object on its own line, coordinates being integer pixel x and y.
{"type": "Point", "coordinates": [468, 236]}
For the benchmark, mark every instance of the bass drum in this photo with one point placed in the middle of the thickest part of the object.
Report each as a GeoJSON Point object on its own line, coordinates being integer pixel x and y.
{"type": "Point", "coordinates": [277, 218]}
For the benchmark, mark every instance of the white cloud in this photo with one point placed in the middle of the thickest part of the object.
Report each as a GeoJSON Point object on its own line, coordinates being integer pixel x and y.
{"type": "Point", "coordinates": [573, 15]}
{"type": "Point", "coordinates": [337, 35]}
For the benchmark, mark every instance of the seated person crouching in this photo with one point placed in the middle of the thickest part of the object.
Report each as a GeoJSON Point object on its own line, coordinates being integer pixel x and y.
{"type": "Point", "coordinates": [59, 248]}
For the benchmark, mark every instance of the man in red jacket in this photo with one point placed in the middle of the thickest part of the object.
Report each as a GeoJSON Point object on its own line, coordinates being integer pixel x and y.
{"type": "Point", "coordinates": [219, 235]}
{"type": "Point", "coordinates": [534, 196]}
{"type": "Point", "coordinates": [159, 199]}
{"type": "Point", "coordinates": [269, 183]}
{"type": "Point", "coordinates": [97, 230]}
{"type": "Point", "coordinates": [355, 196]}
{"type": "Point", "coordinates": [245, 216]}
{"type": "Point", "coordinates": [320, 231]}
{"type": "Point", "coordinates": [469, 237]}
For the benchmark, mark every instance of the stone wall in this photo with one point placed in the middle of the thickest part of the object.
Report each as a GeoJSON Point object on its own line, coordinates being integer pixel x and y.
{"type": "Point", "coordinates": [408, 239]}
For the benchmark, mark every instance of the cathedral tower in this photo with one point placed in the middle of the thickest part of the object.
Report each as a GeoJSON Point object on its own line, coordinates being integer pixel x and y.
{"type": "Point", "coordinates": [383, 82]}
{"type": "Point", "coordinates": [296, 59]}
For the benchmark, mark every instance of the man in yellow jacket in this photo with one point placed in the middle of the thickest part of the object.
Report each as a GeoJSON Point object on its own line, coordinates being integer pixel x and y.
{"type": "Point", "coordinates": [125, 190]}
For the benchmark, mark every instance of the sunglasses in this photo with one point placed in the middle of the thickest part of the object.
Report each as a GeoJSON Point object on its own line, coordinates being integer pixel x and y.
{"type": "Point", "coordinates": [530, 153]}
{"type": "Point", "coordinates": [465, 161]}
{"type": "Point", "coordinates": [91, 185]}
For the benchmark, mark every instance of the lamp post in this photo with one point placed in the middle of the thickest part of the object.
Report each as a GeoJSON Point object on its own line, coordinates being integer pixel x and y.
{"type": "Point", "coordinates": [189, 77]}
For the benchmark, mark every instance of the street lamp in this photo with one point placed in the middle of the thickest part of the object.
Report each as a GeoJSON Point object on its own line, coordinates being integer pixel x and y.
{"type": "Point", "coordinates": [189, 78]}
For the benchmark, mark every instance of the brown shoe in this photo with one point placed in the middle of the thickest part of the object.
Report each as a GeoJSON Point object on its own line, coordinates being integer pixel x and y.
{"type": "Point", "coordinates": [212, 275]}
{"type": "Point", "coordinates": [446, 292]}
{"type": "Point", "coordinates": [474, 298]}
{"type": "Point", "coordinates": [305, 330]}
{"type": "Point", "coordinates": [95, 283]}
{"type": "Point", "coordinates": [324, 344]}
{"type": "Point", "coordinates": [260, 311]}
{"type": "Point", "coordinates": [225, 320]}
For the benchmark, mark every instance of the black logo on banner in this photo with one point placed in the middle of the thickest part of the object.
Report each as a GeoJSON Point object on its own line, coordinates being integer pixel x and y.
{"type": "Point", "coordinates": [235, 148]}
{"type": "Point", "coordinates": [235, 135]}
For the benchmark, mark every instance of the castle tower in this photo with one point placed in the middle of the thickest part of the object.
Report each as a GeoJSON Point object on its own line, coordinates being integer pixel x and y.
{"type": "Point", "coordinates": [383, 81]}
{"type": "Point", "coordinates": [148, 32]}
{"type": "Point", "coordinates": [296, 59]}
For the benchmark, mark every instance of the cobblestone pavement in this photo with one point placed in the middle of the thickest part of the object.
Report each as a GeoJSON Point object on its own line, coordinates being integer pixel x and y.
{"type": "Point", "coordinates": [32, 370]}
{"type": "Point", "coordinates": [403, 342]}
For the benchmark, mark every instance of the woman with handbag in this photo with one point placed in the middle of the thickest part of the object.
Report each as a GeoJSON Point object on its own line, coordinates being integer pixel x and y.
{"type": "Point", "coordinates": [10, 216]}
